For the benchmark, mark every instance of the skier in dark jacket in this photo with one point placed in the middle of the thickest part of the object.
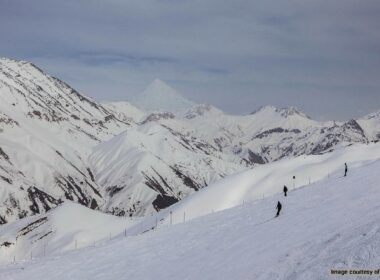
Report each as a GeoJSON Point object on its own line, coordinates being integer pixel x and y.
{"type": "Point", "coordinates": [345, 169]}
{"type": "Point", "coordinates": [285, 191]}
{"type": "Point", "coordinates": [279, 206]}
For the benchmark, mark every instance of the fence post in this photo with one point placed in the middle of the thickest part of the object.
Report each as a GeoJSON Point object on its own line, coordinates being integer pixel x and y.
{"type": "Point", "coordinates": [14, 259]}
{"type": "Point", "coordinates": [31, 255]}
{"type": "Point", "coordinates": [184, 216]}
{"type": "Point", "coordinates": [171, 217]}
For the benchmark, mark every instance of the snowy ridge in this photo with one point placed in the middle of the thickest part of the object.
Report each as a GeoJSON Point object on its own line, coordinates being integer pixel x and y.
{"type": "Point", "coordinates": [331, 224]}
{"type": "Point", "coordinates": [270, 133]}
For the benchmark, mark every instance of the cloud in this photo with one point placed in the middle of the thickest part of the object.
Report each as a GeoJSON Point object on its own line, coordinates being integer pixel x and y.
{"type": "Point", "coordinates": [238, 55]}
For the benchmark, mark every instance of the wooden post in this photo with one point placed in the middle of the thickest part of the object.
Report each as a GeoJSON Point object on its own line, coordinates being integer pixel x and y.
{"type": "Point", "coordinates": [171, 217]}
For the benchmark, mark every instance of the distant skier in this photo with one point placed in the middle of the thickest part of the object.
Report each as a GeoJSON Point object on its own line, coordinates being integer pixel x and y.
{"type": "Point", "coordinates": [345, 169]}
{"type": "Point", "coordinates": [285, 191]}
{"type": "Point", "coordinates": [279, 206]}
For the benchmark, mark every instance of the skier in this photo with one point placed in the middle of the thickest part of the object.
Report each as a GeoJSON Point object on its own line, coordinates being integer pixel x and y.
{"type": "Point", "coordinates": [279, 206]}
{"type": "Point", "coordinates": [345, 169]}
{"type": "Point", "coordinates": [285, 190]}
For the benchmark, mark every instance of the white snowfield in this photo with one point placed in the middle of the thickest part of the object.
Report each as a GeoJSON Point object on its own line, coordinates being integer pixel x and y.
{"type": "Point", "coordinates": [332, 224]}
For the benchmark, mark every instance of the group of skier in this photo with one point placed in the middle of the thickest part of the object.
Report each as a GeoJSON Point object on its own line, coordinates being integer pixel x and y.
{"type": "Point", "coordinates": [285, 190]}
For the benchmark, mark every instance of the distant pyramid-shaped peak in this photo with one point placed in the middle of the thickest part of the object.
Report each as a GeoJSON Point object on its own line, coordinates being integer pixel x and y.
{"type": "Point", "coordinates": [159, 96]}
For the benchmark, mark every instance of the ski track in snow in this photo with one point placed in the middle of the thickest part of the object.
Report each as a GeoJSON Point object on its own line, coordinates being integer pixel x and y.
{"type": "Point", "coordinates": [331, 224]}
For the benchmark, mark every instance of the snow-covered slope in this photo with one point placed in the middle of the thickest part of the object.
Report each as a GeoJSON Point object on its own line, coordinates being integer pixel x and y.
{"type": "Point", "coordinates": [329, 225]}
{"type": "Point", "coordinates": [67, 227]}
{"type": "Point", "coordinates": [371, 125]}
{"type": "Point", "coordinates": [125, 111]}
{"type": "Point", "coordinates": [269, 179]}
{"type": "Point", "coordinates": [150, 167]}
{"type": "Point", "coordinates": [159, 96]}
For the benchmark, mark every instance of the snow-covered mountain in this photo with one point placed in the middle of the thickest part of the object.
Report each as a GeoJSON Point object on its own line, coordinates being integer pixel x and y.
{"type": "Point", "coordinates": [47, 130]}
{"type": "Point", "coordinates": [159, 96]}
{"type": "Point", "coordinates": [58, 145]}
{"type": "Point", "coordinates": [269, 133]}
{"type": "Point", "coordinates": [49, 137]}
{"type": "Point", "coordinates": [371, 126]}
{"type": "Point", "coordinates": [150, 167]}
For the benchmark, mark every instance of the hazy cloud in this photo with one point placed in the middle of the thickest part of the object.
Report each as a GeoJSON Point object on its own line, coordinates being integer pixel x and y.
{"type": "Point", "coordinates": [321, 56]}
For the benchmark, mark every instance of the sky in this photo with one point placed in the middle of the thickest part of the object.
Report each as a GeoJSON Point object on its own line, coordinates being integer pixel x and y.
{"type": "Point", "coordinates": [322, 57]}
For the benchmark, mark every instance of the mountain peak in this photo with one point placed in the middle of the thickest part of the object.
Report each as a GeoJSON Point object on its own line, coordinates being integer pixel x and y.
{"type": "Point", "coordinates": [284, 112]}
{"type": "Point", "coordinates": [202, 110]}
{"type": "Point", "coordinates": [159, 96]}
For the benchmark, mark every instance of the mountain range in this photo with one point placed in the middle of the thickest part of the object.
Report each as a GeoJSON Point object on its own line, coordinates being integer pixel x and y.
{"type": "Point", "coordinates": [137, 158]}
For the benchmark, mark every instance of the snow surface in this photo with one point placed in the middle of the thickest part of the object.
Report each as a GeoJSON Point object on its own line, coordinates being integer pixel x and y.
{"type": "Point", "coordinates": [331, 224]}
{"type": "Point", "coordinates": [67, 227]}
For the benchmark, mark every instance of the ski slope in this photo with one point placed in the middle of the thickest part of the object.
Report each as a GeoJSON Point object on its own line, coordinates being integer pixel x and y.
{"type": "Point", "coordinates": [330, 224]}
{"type": "Point", "coordinates": [266, 180]}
